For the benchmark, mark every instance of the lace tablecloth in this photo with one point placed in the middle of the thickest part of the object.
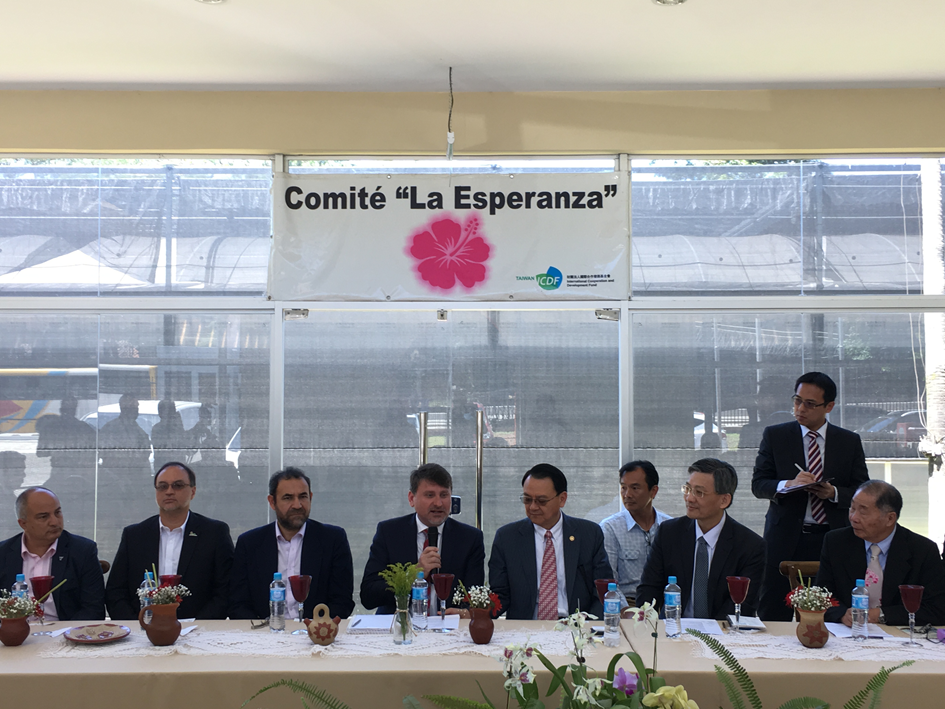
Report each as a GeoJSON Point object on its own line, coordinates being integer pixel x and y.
{"type": "Point", "coordinates": [265, 643]}
{"type": "Point", "coordinates": [889, 650]}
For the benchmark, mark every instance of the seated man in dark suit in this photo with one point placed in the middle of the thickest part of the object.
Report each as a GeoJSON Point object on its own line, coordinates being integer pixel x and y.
{"type": "Point", "coordinates": [174, 541]}
{"type": "Point", "coordinates": [704, 547]}
{"type": "Point", "coordinates": [544, 567]}
{"type": "Point", "coordinates": [292, 545]}
{"type": "Point", "coordinates": [875, 548]}
{"type": "Point", "coordinates": [458, 549]}
{"type": "Point", "coordinates": [46, 549]}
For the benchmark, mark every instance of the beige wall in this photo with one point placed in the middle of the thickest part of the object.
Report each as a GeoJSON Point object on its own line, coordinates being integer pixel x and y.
{"type": "Point", "coordinates": [644, 122]}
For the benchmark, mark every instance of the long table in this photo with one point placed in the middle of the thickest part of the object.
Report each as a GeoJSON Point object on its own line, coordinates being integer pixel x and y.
{"type": "Point", "coordinates": [206, 682]}
{"type": "Point", "coordinates": [836, 681]}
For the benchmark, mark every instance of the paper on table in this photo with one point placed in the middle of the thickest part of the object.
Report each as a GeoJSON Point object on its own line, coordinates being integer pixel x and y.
{"type": "Point", "coordinates": [705, 625]}
{"type": "Point", "coordinates": [747, 621]}
{"type": "Point", "coordinates": [842, 631]}
{"type": "Point", "coordinates": [188, 629]}
{"type": "Point", "coordinates": [370, 624]}
{"type": "Point", "coordinates": [57, 633]}
{"type": "Point", "coordinates": [434, 622]}
{"type": "Point", "coordinates": [187, 620]}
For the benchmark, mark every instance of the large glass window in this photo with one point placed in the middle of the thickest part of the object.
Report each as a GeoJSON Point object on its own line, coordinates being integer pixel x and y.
{"type": "Point", "coordinates": [129, 226]}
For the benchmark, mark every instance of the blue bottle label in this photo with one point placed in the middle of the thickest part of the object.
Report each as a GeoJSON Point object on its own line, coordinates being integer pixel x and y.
{"type": "Point", "coordinates": [420, 594]}
{"type": "Point", "coordinates": [276, 594]}
{"type": "Point", "coordinates": [861, 603]}
{"type": "Point", "coordinates": [672, 599]}
{"type": "Point", "coordinates": [612, 606]}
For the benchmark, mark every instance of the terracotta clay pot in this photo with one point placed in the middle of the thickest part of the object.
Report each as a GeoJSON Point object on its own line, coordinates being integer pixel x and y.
{"type": "Point", "coordinates": [481, 626]}
{"type": "Point", "coordinates": [164, 628]}
{"type": "Point", "coordinates": [13, 631]}
{"type": "Point", "coordinates": [811, 630]}
{"type": "Point", "coordinates": [322, 629]}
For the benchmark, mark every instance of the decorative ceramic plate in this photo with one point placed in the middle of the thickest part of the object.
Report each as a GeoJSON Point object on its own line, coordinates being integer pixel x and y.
{"type": "Point", "coordinates": [98, 633]}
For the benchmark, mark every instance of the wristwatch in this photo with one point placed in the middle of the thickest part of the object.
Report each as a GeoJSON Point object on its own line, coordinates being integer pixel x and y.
{"type": "Point", "coordinates": [882, 617]}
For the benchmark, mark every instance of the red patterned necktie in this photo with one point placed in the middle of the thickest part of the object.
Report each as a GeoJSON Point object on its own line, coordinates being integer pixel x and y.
{"type": "Point", "coordinates": [815, 467]}
{"type": "Point", "coordinates": [548, 588]}
{"type": "Point", "coordinates": [426, 537]}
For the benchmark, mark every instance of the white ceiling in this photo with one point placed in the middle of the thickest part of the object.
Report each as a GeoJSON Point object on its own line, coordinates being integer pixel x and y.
{"type": "Point", "coordinates": [493, 45]}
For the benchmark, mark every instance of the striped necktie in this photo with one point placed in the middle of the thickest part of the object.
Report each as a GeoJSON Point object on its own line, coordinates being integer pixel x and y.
{"type": "Point", "coordinates": [815, 467]}
{"type": "Point", "coordinates": [548, 587]}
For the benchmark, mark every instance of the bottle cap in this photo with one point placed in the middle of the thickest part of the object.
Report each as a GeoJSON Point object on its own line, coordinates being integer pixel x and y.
{"type": "Point", "coordinates": [611, 587]}
{"type": "Point", "coordinates": [672, 579]}
{"type": "Point", "coordinates": [860, 583]}
{"type": "Point", "coordinates": [20, 577]}
{"type": "Point", "coordinates": [277, 576]}
{"type": "Point", "coordinates": [419, 575]}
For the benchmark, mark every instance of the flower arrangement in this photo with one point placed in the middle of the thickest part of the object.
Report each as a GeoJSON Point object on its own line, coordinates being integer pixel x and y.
{"type": "Point", "coordinates": [163, 594]}
{"type": "Point", "coordinates": [19, 606]}
{"type": "Point", "coordinates": [400, 578]}
{"type": "Point", "coordinates": [810, 598]}
{"type": "Point", "coordinates": [477, 597]}
{"type": "Point", "coordinates": [581, 632]}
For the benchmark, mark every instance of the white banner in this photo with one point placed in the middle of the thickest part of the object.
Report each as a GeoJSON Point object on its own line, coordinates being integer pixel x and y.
{"type": "Point", "coordinates": [446, 237]}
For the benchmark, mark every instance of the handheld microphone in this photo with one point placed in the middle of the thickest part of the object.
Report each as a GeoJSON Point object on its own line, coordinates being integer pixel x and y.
{"type": "Point", "coordinates": [433, 537]}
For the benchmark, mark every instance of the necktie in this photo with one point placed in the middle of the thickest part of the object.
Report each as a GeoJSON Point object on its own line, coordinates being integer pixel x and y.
{"type": "Point", "coordinates": [426, 537]}
{"type": "Point", "coordinates": [548, 587]}
{"type": "Point", "coordinates": [700, 582]}
{"type": "Point", "coordinates": [876, 588]}
{"type": "Point", "coordinates": [815, 467]}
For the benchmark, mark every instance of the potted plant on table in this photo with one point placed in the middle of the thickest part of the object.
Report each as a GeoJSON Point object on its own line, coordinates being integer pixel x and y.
{"type": "Point", "coordinates": [163, 628]}
{"type": "Point", "coordinates": [14, 614]}
{"type": "Point", "coordinates": [400, 578]}
{"type": "Point", "coordinates": [811, 602]}
{"type": "Point", "coordinates": [483, 605]}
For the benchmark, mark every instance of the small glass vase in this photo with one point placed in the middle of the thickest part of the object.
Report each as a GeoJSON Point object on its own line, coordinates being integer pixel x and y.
{"type": "Point", "coordinates": [401, 629]}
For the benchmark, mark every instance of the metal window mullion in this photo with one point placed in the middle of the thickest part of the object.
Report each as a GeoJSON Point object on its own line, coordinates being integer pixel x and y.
{"type": "Point", "coordinates": [625, 385]}
{"type": "Point", "coordinates": [276, 390]}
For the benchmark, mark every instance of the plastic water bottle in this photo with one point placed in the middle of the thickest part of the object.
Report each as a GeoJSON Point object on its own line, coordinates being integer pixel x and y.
{"type": "Point", "coordinates": [860, 610]}
{"type": "Point", "coordinates": [20, 589]}
{"type": "Point", "coordinates": [672, 608]}
{"type": "Point", "coordinates": [277, 604]}
{"type": "Point", "coordinates": [611, 616]}
{"type": "Point", "coordinates": [419, 602]}
{"type": "Point", "coordinates": [147, 584]}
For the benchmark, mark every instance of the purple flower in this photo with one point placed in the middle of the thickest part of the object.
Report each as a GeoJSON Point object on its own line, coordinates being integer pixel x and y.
{"type": "Point", "coordinates": [625, 682]}
{"type": "Point", "coordinates": [508, 653]}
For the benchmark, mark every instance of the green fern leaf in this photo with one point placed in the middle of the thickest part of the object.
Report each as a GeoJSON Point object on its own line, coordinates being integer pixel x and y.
{"type": "Point", "coordinates": [734, 696]}
{"type": "Point", "coordinates": [310, 692]}
{"type": "Point", "coordinates": [805, 703]}
{"type": "Point", "coordinates": [875, 685]}
{"type": "Point", "coordinates": [741, 675]}
{"type": "Point", "coordinates": [447, 702]}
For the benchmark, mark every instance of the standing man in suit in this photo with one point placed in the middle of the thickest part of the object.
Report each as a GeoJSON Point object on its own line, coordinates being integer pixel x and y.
{"type": "Point", "coordinates": [806, 451]}
{"type": "Point", "coordinates": [704, 547]}
{"type": "Point", "coordinates": [292, 545]}
{"type": "Point", "coordinates": [458, 548]}
{"type": "Point", "coordinates": [544, 567]}
{"type": "Point", "coordinates": [875, 548]}
{"type": "Point", "coordinates": [174, 541]}
{"type": "Point", "coordinates": [45, 548]}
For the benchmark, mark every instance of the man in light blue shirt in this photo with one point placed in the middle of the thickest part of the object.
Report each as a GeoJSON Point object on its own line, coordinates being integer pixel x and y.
{"type": "Point", "coordinates": [628, 535]}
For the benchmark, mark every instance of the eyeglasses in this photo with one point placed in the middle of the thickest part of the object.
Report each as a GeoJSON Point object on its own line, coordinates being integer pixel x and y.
{"type": "Point", "coordinates": [807, 404]}
{"type": "Point", "coordinates": [929, 631]}
{"type": "Point", "coordinates": [540, 501]}
{"type": "Point", "coordinates": [175, 486]}
{"type": "Point", "coordinates": [698, 494]}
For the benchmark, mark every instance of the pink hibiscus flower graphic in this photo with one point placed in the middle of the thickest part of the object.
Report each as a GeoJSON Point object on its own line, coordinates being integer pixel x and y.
{"type": "Point", "coordinates": [446, 251]}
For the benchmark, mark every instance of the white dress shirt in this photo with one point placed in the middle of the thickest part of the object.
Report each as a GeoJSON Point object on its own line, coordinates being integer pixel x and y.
{"type": "Point", "coordinates": [40, 566]}
{"type": "Point", "coordinates": [822, 444]}
{"type": "Point", "coordinates": [169, 548]}
{"type": "Point", "coordinates": [557, 539]}
{"type": "Point", "coordinates": [711, 538]}
{"type": "Point", "coordinates": [290, 561]}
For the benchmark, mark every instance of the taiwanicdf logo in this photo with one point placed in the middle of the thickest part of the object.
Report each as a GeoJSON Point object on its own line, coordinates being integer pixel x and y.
{"type": "Point", "coordinates": [550, 280]}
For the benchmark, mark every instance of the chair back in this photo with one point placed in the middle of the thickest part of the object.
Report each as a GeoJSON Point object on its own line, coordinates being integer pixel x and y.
{"type": "Point", "coordinates": [794, 570]}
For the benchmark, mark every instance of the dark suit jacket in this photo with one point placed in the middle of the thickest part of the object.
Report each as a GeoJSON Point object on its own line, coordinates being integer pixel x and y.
{"type": "Point", "coordinates": [82, 597]}
{"type": "Point", "coordinates": [782, 447]}
{"type": "Point", "coordinates": [206, 556]}
{"type": "Point", "coordinates": [462, 552]}
{"type": "Point", "coordinates": [326, 557]}
{"type": "Point", "coordinates": [912, 559]}
{"type": "Point", "coordinates": [739, 552]}
{"type": "Point", "coordinates": [513, 569]}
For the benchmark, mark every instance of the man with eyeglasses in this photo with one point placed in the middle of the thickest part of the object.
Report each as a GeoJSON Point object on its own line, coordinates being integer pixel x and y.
{"type": "Point", "coordinates": [704, 547]}
{"type": "Point", "coordinates": [176, 541]}
{"type": "Point", "coordinates": [825, 463]}
{"type": "Point", "coordinates": [629, 534]}
{"type": "Point", "coordinates": [544, 567]}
